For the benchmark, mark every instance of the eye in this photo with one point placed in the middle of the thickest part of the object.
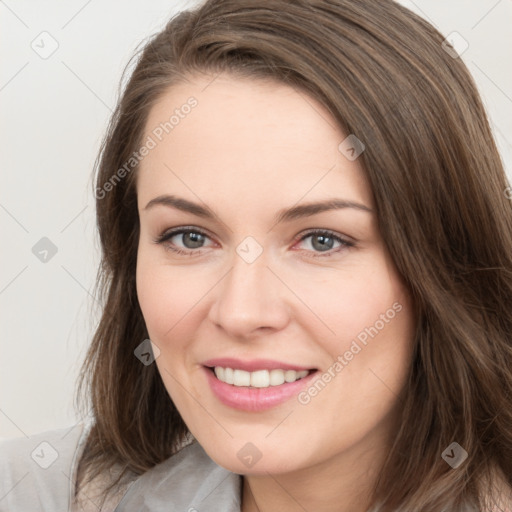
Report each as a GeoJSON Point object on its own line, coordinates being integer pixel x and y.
{"type": "Point", "coordinates": [192, 239]}
{"type": "Point", "coordinates": [322, 242]}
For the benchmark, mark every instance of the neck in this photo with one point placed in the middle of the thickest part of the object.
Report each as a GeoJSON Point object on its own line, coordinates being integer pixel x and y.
{"type": "Point", "coordinates": [342, 483]}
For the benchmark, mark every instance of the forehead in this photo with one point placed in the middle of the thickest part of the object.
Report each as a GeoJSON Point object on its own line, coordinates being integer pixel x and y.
{"type": "Point", "coordinates": [243, 138]}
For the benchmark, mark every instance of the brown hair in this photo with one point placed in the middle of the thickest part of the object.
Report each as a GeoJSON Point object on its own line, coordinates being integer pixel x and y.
{"type": "Point", "coordinates": [440, 196]}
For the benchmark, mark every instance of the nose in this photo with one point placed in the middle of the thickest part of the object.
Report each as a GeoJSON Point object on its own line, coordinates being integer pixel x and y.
{"type": "Point", "coordinates": [250, 300]}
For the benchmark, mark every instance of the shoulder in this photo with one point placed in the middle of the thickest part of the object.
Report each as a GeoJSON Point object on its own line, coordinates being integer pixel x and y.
{"type": "Point", "coordinates": [36, 472]}
{"type": "Point", "coordinates": [189, 480]}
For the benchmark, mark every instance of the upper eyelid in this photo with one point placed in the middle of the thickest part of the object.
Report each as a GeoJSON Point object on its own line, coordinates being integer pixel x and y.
{"type": "Point", "coordinates": [169, 233]}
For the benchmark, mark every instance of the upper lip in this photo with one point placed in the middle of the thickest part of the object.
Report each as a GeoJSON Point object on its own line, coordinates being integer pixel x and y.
{"type": "Point", "coordinates": [253, 364]}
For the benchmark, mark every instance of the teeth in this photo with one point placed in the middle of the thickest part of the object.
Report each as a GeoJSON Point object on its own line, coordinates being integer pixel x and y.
{"type": "Point", "coordinates": [259, 378]}
{"type": "Point", "coordinates": [277, 377]}
{"type": "Point", "coordinates": [241, 378]}
{"type": "Point", "coordinates": [228, 375]}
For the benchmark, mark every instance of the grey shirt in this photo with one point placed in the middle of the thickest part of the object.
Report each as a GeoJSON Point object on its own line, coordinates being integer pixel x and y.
{"type": "Point", "coordinates": [38, 473]}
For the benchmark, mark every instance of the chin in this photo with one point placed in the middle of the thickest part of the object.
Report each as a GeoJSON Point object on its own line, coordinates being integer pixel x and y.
{"type": "Point", "coordinates": [247, 461]}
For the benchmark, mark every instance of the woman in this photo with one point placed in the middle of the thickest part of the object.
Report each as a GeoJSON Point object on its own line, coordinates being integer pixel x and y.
{"type": "Point", "coordinates": [306, 269]}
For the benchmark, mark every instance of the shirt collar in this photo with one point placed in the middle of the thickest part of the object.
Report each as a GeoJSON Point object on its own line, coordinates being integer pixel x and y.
{"type": "Point", "coordinates": [189, 480]}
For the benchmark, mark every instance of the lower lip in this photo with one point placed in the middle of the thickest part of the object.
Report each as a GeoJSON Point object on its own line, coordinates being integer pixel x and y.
{"type": "Point", "coordinates": [255, 399]}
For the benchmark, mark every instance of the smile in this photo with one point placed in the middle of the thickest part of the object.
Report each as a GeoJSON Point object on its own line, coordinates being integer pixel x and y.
{"type": "Point", "coordinates": [257, 390]}
{"type": "Point", "coordinates": [259, 378]}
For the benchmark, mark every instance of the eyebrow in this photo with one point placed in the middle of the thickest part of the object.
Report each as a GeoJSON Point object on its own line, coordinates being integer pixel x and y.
{"type": "Point", "coordinates": [286, 215]}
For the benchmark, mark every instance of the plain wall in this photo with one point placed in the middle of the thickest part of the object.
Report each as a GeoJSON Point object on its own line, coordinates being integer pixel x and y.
{"type": "Point", "coordinates": [54, 112]}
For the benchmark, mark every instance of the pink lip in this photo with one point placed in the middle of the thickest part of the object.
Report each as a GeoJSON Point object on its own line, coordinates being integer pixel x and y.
{"type": "Point", "coordinates": [254, 399]}
{"type": "Point", "coordinates": [253, 365]}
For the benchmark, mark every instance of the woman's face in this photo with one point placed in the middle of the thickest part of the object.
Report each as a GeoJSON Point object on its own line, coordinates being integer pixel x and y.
{"type": "Point", "coordinates": [265, 282]}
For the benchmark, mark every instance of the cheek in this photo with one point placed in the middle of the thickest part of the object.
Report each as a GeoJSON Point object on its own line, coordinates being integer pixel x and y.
{"type": "Point", "coordinates": [153, 296]}
{"type": "Point", "coordinates": [171, 300]}
{"type": "Point", "coordinates": [367, 333]}
{"type": "Point", "coordinates": [347, 303]}
{"type": "Point", "coordinates": [162, 302]}
{"type": "Point", "coordinates": [157, 289]}
{"type": "Point", "coordinates": [370, 356]}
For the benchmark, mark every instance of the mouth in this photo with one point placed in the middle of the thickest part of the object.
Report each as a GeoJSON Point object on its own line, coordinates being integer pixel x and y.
{"type": "Point", "coordinates": [257, 390]}
{"type": "Point", "coordinates": [255, 385]}
{"type": "Point", "coordinates": [259, 378]}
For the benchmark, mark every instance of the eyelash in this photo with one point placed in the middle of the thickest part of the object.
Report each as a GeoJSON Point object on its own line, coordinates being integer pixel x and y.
{"type": "Point", "coordinates": [162, 239]}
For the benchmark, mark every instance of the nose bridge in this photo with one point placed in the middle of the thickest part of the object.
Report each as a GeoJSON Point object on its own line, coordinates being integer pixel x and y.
{"type": "Point", "coordinates": [250, 296]}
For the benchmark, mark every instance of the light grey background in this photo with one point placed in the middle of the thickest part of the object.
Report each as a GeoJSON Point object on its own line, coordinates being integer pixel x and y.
{"type": "Point", "coordinates": [54, 113]}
